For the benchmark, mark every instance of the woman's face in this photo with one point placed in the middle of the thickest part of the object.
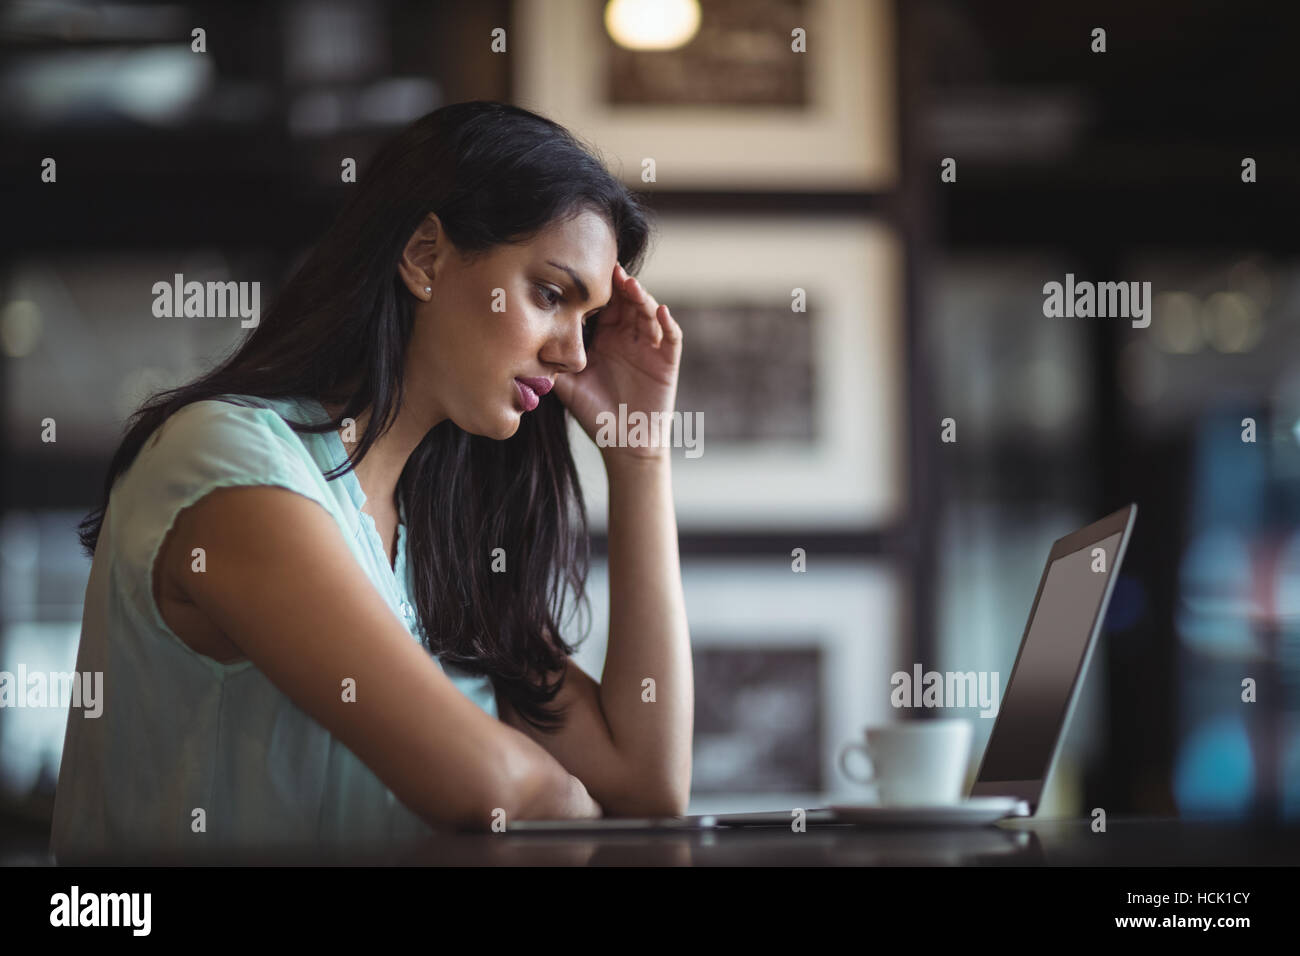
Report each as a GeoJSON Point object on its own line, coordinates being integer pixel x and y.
{"type": "Point", "coordinates": [516, 312]}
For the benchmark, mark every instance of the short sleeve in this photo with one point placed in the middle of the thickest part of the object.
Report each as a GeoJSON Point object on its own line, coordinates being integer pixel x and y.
{"type": "Point", "coordinates": [204, 446]}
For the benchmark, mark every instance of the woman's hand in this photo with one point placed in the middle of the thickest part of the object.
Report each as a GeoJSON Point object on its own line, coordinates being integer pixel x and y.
{"type": "Point", "coordinates": [633, 361]}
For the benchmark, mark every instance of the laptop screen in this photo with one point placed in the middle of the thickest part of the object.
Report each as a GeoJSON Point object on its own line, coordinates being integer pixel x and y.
{"type": "Point", "coordinates": [1033, 707]}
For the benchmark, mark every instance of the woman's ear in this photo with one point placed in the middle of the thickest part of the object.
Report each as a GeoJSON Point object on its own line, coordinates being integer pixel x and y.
{"type": "Point", "coordinates": [426, 248]}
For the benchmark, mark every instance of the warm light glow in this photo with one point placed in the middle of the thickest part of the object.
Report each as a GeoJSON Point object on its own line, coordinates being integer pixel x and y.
{"type": "Point", "coordinates": [1177, 324]}
{"type": "Point", "coordinates": [1232, 322]}
{"type": "Point", "coordinates": [652, 24]}
{"type": "Point", "coordinates": [20, 328]}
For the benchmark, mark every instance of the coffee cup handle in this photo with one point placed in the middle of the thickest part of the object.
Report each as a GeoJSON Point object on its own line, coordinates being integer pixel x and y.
{"type": "Point", "coordinates": [844, 769]}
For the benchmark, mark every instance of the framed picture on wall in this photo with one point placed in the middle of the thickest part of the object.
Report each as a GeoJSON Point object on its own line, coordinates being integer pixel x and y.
{"type": "Point", "coordinates": [788, 666]}
{"type": "Point", "coordinates": [736, 106]}
{"type": "Point", "coordinates": [791, 384]}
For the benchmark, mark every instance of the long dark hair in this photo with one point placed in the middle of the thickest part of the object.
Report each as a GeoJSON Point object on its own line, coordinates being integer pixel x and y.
{"type": "Point", "coordinates": [338, 332]}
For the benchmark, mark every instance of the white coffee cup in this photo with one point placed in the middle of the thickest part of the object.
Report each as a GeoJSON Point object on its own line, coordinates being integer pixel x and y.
{"type": "Point", "coordinates": [917, 763]}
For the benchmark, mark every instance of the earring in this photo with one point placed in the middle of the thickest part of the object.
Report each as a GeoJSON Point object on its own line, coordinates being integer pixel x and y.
{"type": "Point", "coordinates": [428, 289]}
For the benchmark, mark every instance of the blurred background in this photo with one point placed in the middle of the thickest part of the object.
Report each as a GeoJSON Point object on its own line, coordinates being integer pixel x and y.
{"type": "Point", "coordinates": [143, 140]}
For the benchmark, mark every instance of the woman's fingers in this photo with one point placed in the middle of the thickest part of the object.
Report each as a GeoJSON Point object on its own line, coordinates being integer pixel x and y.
{"type": "Point", "coordinates": [668, 325]}
{"type": "Point", "coordinates": [647, 312]}
{"type": "Point", "coordinates": [649, 316]}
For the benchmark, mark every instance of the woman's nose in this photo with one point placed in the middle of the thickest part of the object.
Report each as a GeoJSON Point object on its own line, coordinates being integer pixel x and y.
{"type": "Point", "coordinates": [567, 350]}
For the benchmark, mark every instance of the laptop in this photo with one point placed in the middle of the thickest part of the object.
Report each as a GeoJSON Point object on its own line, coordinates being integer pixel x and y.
{"type": "Point", "coordinates": [1068, 612]}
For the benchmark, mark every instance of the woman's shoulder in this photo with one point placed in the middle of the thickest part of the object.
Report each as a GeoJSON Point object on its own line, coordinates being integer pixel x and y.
{"type": "Point", "coordinates": [254, 429]}
{"type": "Point", "coordinates": [226, 440]}
{"type": "Point", "coordinates": [202, 446]}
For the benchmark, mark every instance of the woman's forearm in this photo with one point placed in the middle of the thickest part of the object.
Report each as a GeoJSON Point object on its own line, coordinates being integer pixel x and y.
{"type": "Point", "coordinates": [647, 687]}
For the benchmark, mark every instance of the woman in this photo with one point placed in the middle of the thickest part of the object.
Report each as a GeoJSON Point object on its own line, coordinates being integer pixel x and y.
{"type": "Point", "coordinates": [272, 682]}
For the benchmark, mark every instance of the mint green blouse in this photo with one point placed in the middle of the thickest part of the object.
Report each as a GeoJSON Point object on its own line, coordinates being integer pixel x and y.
{"type": "Point", "coordinates": [181, 732]}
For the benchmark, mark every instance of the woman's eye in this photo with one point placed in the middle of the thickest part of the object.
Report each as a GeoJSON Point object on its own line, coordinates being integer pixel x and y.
{"type": "Point", "coordinates": [548, 296]}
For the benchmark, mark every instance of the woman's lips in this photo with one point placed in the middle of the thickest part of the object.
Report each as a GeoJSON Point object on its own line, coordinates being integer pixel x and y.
{"type": "Point", "coordinates": [539, 384]}
{"type": "Point", "coordinates": [527, 394]}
